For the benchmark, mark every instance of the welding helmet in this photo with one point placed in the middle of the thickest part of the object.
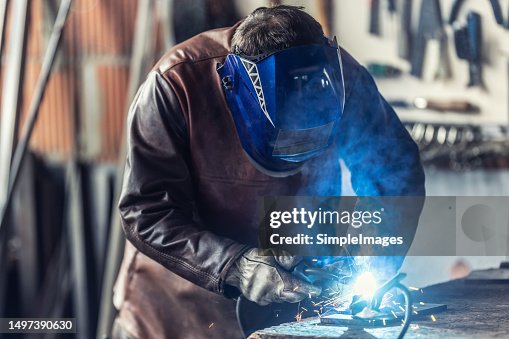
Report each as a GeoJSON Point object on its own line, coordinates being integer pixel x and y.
{"type": "Point", "coordinates": [286, 104]}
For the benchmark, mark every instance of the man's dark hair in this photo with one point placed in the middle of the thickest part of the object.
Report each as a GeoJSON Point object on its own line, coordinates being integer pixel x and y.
{"type": "Point", "coordinates": [276, 28]}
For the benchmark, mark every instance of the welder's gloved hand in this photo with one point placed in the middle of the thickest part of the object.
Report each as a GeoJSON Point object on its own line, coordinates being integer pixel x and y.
{"type": "Point", "coordinates": [265, 279]}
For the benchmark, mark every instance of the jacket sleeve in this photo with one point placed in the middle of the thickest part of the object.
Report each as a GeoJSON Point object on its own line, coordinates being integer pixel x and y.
{"type": "Point", "coordinates": [157, 203]}
{"type": "Point", "coordinates": [383, 161]}
{"type": "Point", "coordinates": [375, 146]}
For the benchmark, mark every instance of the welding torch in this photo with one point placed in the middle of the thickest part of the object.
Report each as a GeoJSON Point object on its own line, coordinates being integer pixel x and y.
{"type": "Point", "coordinates": [314, 275]}
{"type": "Point", "coordinates": [367, 309]}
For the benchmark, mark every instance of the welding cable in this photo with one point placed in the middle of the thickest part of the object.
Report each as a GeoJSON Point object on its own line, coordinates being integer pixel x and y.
{"type": "Point", "coordinates": [395, 283]}
{"type": "Point", "coordinates": [238, 310]}
{"type": "Point", "coordinates": [408, 308]}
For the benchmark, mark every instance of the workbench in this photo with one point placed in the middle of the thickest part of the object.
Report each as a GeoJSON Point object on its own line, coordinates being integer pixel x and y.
{"type": "Point", "coordinates": [474, 310]}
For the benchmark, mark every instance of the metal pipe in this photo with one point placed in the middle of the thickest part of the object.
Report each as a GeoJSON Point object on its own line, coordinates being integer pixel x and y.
{"type": "Point", "coordinates": [33, 110]}
{"type": "Point", "coordinates": [9, 122]}
{"type": "Point", "coordinates": [11, 93]}
{"type": "Point", "coordinates": [141, 54]}
{"type": "Point", "coordinates": [3, 19]}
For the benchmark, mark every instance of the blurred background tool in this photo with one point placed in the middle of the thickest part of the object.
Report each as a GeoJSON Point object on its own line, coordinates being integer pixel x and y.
{"type": "Point", "coordinates": [430, 27]}
{"type": "Point", "coordinates": [405, 29]}
{"type": "Point", "coordinates": [374, 17]}
{"type": "Point", "coordinates": [325, 16]}
{"type": "Point", "coordinates": [454, 106]}
{"type": "Point", "coordinates": [392, 7]}
{"type": "Point", "coordinates": [469, 45]}
{"type": "Point", "coordinates": [495, 5]}
{"type": "Point", "coordinates": [380, 70]}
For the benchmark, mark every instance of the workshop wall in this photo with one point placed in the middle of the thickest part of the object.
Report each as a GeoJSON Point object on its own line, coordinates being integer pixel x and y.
{"type": "Point", "coordinates": [353, 33]}
{"type": "Point", "coordinates": [86, 93]}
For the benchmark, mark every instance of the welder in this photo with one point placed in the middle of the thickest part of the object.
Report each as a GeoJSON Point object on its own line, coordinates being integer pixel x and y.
{"type": "Point", "coordinates": [268, 107]}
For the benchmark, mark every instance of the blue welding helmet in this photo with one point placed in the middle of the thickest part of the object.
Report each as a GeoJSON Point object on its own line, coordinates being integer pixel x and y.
{"type": "Point", "coordinates": [286, 105]}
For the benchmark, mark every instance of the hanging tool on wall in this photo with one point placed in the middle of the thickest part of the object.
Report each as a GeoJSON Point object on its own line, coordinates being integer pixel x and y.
{"type": "Point", "coordinates": [495, 5]}
{"type": "Point", "coordinates": [468, 42]}
{"type": "Point", "coordinates": [437, 105]}
{"type": "Point", "coordinates": [325, 17]}
{"type": "Point", "coordinates": [405, 30]}
{"type": "Point", "coordinates": [507, 22]}
{"type": "Point", "coordinates": [430, 28]}
{"type": "Point", "coordinates": [391, 7]}
{"type": "Point", "coordinates": [382, 70]}
{"type": "Point", "coordinates": [374, 17]}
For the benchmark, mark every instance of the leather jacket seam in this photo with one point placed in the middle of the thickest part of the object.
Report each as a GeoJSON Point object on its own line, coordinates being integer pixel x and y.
{"type": "Point", "coordinates": [181, 262]}
{"type": "Point", "coordinates": [188, 61]}
{"type": "Point", "coordinates": [177, 103]}
{"type": "Point", "coordinates": [222, 178]}
{"type": "Point", "coordinates": [235, 181]}
{"type": "Point", "coordinates": [228, 266]}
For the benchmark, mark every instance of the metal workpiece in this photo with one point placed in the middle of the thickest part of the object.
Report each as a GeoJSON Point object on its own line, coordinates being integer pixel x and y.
{"type": "Point", "coordinates": [470, 315]}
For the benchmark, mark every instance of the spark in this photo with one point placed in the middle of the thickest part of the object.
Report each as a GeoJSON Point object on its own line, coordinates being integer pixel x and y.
{"type": "Point", "coordinates": [211, 324]}
{"type": "Point", "coordinates": [298, 316]}
{"type": "Point", "coordinates": [365, 285]}
{"type": "Point", "coordinates": [415, 327]}
{"type": "Point", "coordinates": [330, 301]}
{"type": "Point", "coordinates": [314, 260]}
{"type": "Point", "coordinates": [413, 288]}
{"type": "Point", "coordinates": [421, 303]}
{"type": "Point", "coordinates": [303, 308]}
{"type": "Point", "coordinates": [394, 314]}
{"type": "Point", "coordinates": [383, 320]}
{"type": "Point", "coordinates": [433, 318]}
{"type": "Point", "coordinates": [325, 313]}
{"type": "Point", "coordinates": [401, 308]}
{"type": "Point", "coordinates": [296, 288]}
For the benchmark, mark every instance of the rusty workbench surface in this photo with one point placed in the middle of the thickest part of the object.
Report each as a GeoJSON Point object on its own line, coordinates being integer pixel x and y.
{"type": "Point", "coordinates": [474, 311]}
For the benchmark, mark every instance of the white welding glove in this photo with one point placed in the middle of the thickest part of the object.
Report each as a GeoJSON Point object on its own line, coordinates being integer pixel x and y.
{"type": "Point", "coordinates": [265, 279]}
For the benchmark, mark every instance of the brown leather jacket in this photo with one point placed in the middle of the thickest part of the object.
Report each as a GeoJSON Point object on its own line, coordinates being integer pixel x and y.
{"type": "Point", "coordinates": [189, 200]}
